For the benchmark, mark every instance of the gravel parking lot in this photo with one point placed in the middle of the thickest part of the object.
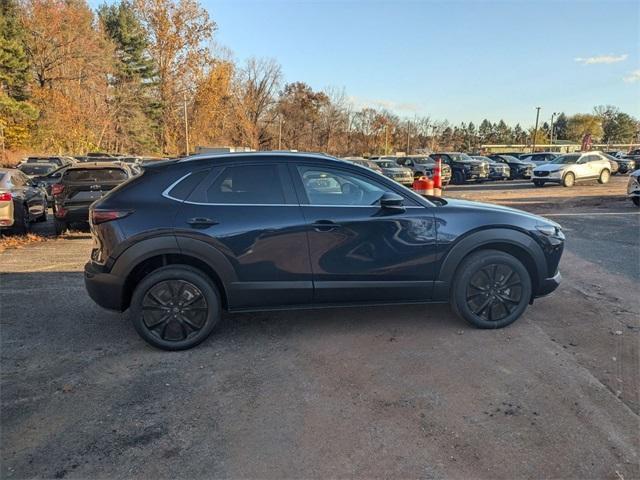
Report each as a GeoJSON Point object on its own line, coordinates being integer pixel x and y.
{"type": "Point", "coordinates": [407, 391]}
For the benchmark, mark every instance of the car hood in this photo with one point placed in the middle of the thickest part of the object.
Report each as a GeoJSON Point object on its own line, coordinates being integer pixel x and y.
{"type": "Point", "coordinates": [490, 207]}
{"type": "Point", "coordinates": [550, 167]}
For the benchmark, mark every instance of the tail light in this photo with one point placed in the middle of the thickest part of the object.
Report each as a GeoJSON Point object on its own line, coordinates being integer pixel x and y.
{"type": "Point", "coordinates": [57, 188]}
{"type": "Point", "coordinates": [101, 216]}
{"type": "Point", "coordinates": [5, 197]}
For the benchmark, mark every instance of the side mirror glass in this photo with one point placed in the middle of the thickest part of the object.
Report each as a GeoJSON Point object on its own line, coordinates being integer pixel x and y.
{"type": "Point", "coordinates": [391, 200]}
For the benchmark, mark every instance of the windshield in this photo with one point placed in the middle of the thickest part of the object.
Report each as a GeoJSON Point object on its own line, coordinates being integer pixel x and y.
{"type": "Point", "coordinates": [422, 160]}
{"type": "Point", "coordinates": [37, 168]}
{"type": "Point", "coordinates": [460, 157]}
{"type": "Point", "coordinates": [95, 175]}
{"type": "Point", "coordinates": [386, 164]}
{"type": "Point", "coordinates": [565, 159]}
{"type": "Point", "coordinates": [484, 159]}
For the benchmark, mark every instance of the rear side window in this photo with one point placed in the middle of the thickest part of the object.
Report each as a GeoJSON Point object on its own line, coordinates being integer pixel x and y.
{"type": "Point", "coordinates": [183, 189]}
{"type": "Point", "coordinates": [95, 175]}
{"type": "Point", "coordinates": [247, 184]}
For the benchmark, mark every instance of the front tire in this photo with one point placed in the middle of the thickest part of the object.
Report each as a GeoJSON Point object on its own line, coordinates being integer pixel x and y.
{"type": "Point", "coordinates": [636, 201]}
{"type": "Point", "coordinates": [569, 180]}
{"type": "Point", "coordinates": [458, 178]}
{"type": "Point", "coordinates": [491, 289]}
{"type": "Point", "coordinates": [21, 220]}
{"type": "Point", "coordinates": [175, 307]}
{"type": "Point", "coordinates": [538, 183]}
{"type": "Point", "coordinates": [604, 176]}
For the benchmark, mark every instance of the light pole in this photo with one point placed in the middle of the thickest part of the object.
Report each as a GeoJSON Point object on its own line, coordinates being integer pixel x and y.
{"type": "Point", "coordinates": [386, 139]}
{"type": "Point", "coordinates": [552, 117]}
{"type": "Point", "coordinates": [186, 125]}
{"type": "Point", "coordinates": [408, 131]}
{"type": "Point", "coordinates": [535, 130]}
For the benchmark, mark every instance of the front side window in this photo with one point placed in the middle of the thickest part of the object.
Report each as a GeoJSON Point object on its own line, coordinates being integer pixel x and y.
{"type": "Point", "coordinates": [336, 187]}
{"type": "Point", "coordinates": [247, 184]}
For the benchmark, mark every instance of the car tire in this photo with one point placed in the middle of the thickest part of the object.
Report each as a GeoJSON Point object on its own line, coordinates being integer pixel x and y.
{"type": "Point", "coordinates": [636, 201]}
{"type": "Point", "coordinates": [539, 183]}
{"type": "Point", "coordinates": [43, 217]}
{"type": "Point", "coordinates": [60, 226]}
{"type": "Point", "coordinates": [604, 176]}
{"type": "Point", "coordinates": [491, 289]}
{"type": "Point", "coordinates": [160, 316]}
{"type": "Point", "coordinates": [21, 223]}
{"type": "Point", "coordinates": [568, 180]}
{"type": "Point", "coordinates": [458, 178]}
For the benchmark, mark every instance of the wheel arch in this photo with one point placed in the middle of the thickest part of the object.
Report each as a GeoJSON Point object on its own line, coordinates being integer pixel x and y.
{"type": "Point", "coordinates": [514, 242]}
{"type": "Point", "coordinates": [145, 256]}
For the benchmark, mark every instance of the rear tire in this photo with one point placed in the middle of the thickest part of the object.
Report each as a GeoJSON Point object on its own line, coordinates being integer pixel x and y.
{"type": "Point", "coordinates": [604, 176]}
{"type": "Point", "coordinates": [21, 220]}
{"type": "Point", "coordinates": [458, 178]}
{"type": "Point", "coordinates": [636, 201]}
{"type": "Point", "coordinates": [491, 289]}
{"type": "Point", "coordinates": [538, 183]}
{"type": "Point", "coordinates": [175, 307]}
{"type": "Point", "coordinates": [60, 226]}
{"type": "Point", "coordinates": [569, 180]}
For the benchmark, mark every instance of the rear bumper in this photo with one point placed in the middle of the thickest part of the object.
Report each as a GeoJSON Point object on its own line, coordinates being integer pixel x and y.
{"type": "Point", "coordinates": [548, 285]}
{"type": "Point", "coordinates": [105, 289]}
{"type": "Point", "coordinates": [75, 213]}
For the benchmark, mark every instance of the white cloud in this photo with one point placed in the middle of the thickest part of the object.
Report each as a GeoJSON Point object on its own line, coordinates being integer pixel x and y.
{"type": "Point", "coordinates": [402, 107]}
{"type": "Point", "coordinates": [599, 59]}
{"type": "Point", "coordinates": [633, 77]}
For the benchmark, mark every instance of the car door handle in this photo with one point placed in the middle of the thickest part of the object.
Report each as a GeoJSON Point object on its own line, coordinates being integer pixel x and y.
{"type": "Point", "coordinates": [325, 225]}
{"type": "Point", "coordinates": [199, 222]}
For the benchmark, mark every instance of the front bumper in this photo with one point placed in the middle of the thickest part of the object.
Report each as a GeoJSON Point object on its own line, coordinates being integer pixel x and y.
{"type": "Point", "coordinates": [548, 285]}
{"type": "Point", "coordinates": [105, 289]}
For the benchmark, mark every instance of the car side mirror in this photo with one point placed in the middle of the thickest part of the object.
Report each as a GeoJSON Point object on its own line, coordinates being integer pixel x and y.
{"type": "Point", "coordinates": [391, 200]}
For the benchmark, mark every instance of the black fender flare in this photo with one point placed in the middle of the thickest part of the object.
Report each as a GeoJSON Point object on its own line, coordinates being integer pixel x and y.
{"type": "Point", "coordinates": [477, 239]}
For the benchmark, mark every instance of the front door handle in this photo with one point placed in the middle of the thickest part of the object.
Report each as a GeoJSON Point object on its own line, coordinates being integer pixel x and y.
{"type": "Point", "coordinates": [201, 222]}
{"type": "Point", "coordinates": [325, 225]}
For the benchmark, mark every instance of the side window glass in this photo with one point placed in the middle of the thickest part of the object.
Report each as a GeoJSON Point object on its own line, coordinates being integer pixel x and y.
{"type": "Point", "coordinates": [247, 184]}
{"type": "Point", "coordinates": [183, 189]}
{"type": "Point", "coordinates": [336, 187]}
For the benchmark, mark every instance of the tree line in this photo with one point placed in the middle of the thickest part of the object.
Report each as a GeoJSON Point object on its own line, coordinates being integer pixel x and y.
{"type": "Point", "coordinates": [142, 77]}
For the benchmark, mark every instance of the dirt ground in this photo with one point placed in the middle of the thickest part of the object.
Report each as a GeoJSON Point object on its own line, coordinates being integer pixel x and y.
{"type": "Point", "coordinates": [409, 391]}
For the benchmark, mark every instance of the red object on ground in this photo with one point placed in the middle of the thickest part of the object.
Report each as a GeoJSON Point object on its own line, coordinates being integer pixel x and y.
{"type": "Point", "coordinates": [437, 175]}
{"type": "Point", "coordinates": [423, 186]}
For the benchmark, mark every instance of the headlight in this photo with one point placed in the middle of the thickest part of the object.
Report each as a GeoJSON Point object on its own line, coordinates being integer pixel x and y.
{"type": "Point", "coordinates": [550, 231]}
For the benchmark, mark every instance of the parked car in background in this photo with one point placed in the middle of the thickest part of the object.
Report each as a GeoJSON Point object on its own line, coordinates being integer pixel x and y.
{"type": "Point", "coordinates": [46, 182]}
{"type": "Point", "coordinates": [615, 153]}
{"type": "Point", "coordinates": [463, 167]}
{"type": "Point", "coordinates": [395, 172]}
{"type": "Point", "coordinates": [21, 201]}
{"type": "Point", "coordinates": [497, 170]}
{"type": "Point", "coordinates": [254, 231]}
{"type": "Point", "coordinates": [633, 187]}
{"type": "Point", "coordinates": [80, 186]}
{"type": "Point", "coordinates": [615, 165]}
{"type": "Point", "coordinates": [37, 169]}
{"type": "Point", "coordinates": [573, 167]}
{"type": "Point", "coordinates": [424, 166]}
{"type": "Point", "coordinates": [539, 157]}
{"type": "Point", "coordinates": [56, 159]}
{"type": "Point", "coordinates": [518, 168]}
{"type": "Point", "coordinates": [626, 165]}
{"type": "Point", "coordinates": [365, 163]}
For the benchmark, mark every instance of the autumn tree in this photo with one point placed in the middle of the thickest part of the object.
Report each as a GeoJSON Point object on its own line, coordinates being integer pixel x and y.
{"type": "Point", "coordinates": [581, 124]}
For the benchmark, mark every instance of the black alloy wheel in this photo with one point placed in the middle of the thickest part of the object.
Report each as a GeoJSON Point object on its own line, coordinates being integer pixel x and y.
{"type": "Point", "coordinates": [175, 307]}
{"type": "Point", "coordinates": [491, 289]}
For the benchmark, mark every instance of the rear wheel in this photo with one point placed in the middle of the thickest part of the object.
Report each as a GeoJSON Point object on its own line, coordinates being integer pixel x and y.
{"type": "Point", "coordinates": [491, 289]}
{"type": "Point", "coordinates": [458, 178]}
{"type": "Point", "coordinates": [21, 220]}
{"type": "Point", "coordinates": [636, 201]}
{"type": "Point", "coordinates": [569, 180]}
{"type": "Point", "coordinates": [175, 307]}
{"type": "Point", "coordinates": [604, 176]}
{"type": "Point", "coordinates": [538, 183]}
{"type": "Point", "coordinates": [60, 226]}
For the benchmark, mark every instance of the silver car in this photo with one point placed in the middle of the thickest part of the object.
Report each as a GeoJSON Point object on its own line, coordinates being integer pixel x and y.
{"type": "Point", "coordinates": [573, 167]}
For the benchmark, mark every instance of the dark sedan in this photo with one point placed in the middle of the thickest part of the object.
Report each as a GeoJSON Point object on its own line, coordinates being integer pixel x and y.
{"type": "Point", "coordinates": [22, 202]}
{"type": "Point", "coordinates": [518, 168]}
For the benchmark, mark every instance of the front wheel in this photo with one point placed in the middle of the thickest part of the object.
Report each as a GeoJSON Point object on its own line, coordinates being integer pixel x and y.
{"type": "Point", "coordinates": [458, 178]}
{"type": "Point", "coordinates": [569, 180]}
{"type": "Point", "coordinates": [538, 183]}
{"type": "Point", "coordinates": [604, 176]}
{"type": "Point", "coordinates": [636, 201]}
{"type": "Point", "coordinates": [175, 307]}
{"type": "Point", "coordinates": [21, 220]}
{"type": "Point", "coordinates": [491, 289]}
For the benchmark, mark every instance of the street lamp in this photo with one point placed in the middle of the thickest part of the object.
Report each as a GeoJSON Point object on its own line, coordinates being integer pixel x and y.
{"type": "Point", "coordinates": [552, 117]}
{"type": "Point", "coordinates": [535, 131]}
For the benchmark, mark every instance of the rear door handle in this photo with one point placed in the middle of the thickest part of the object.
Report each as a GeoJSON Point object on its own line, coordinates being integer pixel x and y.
{"type": "Point", "coordinates": [200, 222]}
{"type": "Point", "coordinates": [325, 225]}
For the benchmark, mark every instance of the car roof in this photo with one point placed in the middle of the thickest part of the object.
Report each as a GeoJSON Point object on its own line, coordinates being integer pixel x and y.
{"type": "Point", "coordinates": [287, 156]}
{"type": "Point", "coordinates": [97, 165]}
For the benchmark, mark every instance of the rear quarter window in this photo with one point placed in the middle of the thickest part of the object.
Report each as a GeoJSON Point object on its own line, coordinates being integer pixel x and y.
{"type": "Point", "coordinates": [95, 175]}
{"type": "Point", "coordinates": [184, 187]}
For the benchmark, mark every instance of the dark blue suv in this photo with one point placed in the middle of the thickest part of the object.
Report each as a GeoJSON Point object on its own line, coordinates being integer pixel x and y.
{"type": "Point", "coordinates": [273, 230]}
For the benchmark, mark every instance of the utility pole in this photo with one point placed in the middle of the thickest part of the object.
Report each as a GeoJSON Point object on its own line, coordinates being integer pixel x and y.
{"type": "Point", "coordinates": [186, 125]}
{"type": "Point", "coordinates": [386, 139]}
{"type": "Point", "coordinates": [535, 130]}
{"type": "Point", "coordinates": [408, 132]}
{"type": "Point", "coordinates": [551, 139]}
{"type": "Point", "coordinates": [280, 134]}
